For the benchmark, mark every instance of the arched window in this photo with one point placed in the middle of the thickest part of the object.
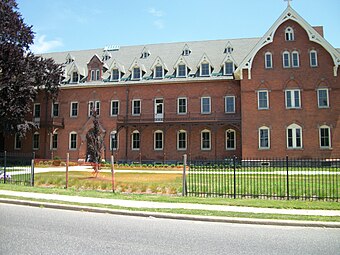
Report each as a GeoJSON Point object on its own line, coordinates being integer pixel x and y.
{"type": "Point", "coordinates": [313, 57]}
{"type": "Point", "coordinates": [294, 137]}
{"type": "Point", "coordinates": [54, 141]}
{"type": "Point", "coordinates": [264, 138]}
{"type": "Point", "coordinates": [73, 141]}
{"type": "Point", "coordinates": [286, 59]}
{"type": "Point", "coordinates": [158, 140]}
{"type": "Point", "coordinates": [182, 140]}
{"type": "Point", "coordinates": [289, 34]}
{"type": "Point", "coordinates": [268, 60]}
{"type": "Point", "coordinates": [205, 140]}
{"type": "Point", "coordinates": [135, 140]}
{"type": "Point", "coordinates": [295, 59]}
{"type": "Point", "coordinates": [36, 140]}
{"type": "Point", "coordinates": [230, 139]}
{"type": "Point", "coordinates": [325, 137]}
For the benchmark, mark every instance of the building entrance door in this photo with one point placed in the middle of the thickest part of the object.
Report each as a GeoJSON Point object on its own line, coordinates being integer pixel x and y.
{"type": "Point", "coordinates": [159, 110]}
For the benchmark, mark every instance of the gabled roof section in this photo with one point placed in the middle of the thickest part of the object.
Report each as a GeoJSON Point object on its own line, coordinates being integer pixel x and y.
{"type": "Point", "coordinates": [74, 68]}
{"type": "Point", "coordinates": [288, 14]}
{"type": "Point", "coordinates": [158, 61]}
{"type": "Point", "coordinates": [97, 57]}
{"type": "Point", "coordinates": [116, 65]}
{"type": "Point", "coordinates": [186, 51]}
{"type": "Point", "coordinates": [106, 55]}
{"type": "Point", "coordinates": [204, 58]}
{"type": "Point", "coordinates": [181, 59]}
{"type": "Point", "coordinates": [137, 63]}
{"type": "Point", "coordinates": [228, 49]}
{"type": "Point", "coordinates": [145, 53]}
{"type": "Point", "coordinates": [69, 58]}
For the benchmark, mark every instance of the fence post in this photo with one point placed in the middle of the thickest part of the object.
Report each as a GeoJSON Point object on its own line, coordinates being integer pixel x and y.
{"type": "Point", "coordinates": [234, 159]}
{"type": "Point", "coordinates": [67, 161]}
{"type": "Point", "coordinates": [287, 170]}
{"type": "Point", "coordinates": [32, 172]}
{"type": "Point", "coordinates": [5, 165]}
{"type": "Point", "coordinates": [184, 188]}
{"type": "Point", "coordinates": [112, 174]}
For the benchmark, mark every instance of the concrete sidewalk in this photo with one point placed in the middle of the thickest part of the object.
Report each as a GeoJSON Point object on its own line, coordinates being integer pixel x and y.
{"type": "Point", "coordinates": [145, 204]}
{"type": "Point", "coordinates": [162, 205]}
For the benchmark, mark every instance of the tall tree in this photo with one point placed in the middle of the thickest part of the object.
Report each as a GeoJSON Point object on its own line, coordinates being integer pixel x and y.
{"type": "Point", "coordinates": [22, 74]}
{"type": "Point", "coordinates": [95, 142]}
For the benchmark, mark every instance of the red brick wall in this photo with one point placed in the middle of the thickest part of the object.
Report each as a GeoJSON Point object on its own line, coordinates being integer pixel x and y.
{"type": "Point", "coordinates": [276, 80]}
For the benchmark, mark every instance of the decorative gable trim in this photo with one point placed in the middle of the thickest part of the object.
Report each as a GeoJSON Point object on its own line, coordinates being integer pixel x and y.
{"type": "Point", "coordinates": [314, 36]}
{"type": "Point", "coordinates": [159, 62]}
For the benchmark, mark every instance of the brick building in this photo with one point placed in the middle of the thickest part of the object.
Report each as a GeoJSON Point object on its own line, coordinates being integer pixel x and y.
{"type": "Point", "coordinates": [261, 97]}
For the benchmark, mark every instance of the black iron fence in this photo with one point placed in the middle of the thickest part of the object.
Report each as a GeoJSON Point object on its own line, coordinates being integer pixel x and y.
{"type": "Point", "coordinates": [285, 178]}
{"type": "Point", "coordinates": [17, 168]}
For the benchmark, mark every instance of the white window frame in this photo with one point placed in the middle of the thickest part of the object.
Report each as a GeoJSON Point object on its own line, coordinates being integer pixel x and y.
{"type": "Point", "coordinates": [232, 68]}
{"type": "Point", "coordinates": [179, 141]}
{"type": "Point", "coordinates": [71, 112]}
{"type": "Point", "coordinates": [92, 75]}
{"type": "Point", "coordinates": [294, 128]}
{"type": "Point", "coordinates": [202, 105]}
{"type": "Point", "coordinates": [259, 100]}
{"type": "Point", "coordinates": [260, 138]}
{"type": "Point", "coordinates": [156, 133]}
{"type": "Point", "coordinates": [289, 34]}
{"type": "Point", "coordinates": [53, 135]}
{"type": "Point", "coordinates": [286, 53]}
{"type": "Point", "coordinates": [228, 148]}
{"type": "Point", "coordinates": [318, 97]}
{"type": "Point", "coordinates": [205, 131]}
{"type": "Point", "coordinates": [111, 109]}
{"type": "Point", "coordinates": [293, 98]}
{"type": "Point", "coordinates": [71, 141]}
{"type": "Point", "coordinates": [155, 75]}
{"type": "Point", "coordinates": [112, 79]}
{"type": "Point", "coordinates": [133, 107]}
{"type": "Point", "coordinates": [96, 105]}
{"type": "Point", "coordinates": [268, 64]}
{"type": "Point", "coordinates": [201, 69]}
{"type": "Point", "coordinates": [17, 141]}
{"type": "Point", "coordinates": [226, 110]}
{"type": "Point", "coordinates": [185, 70]}
{"type": "Point", "coordinates": [315, 58]}
{"type": "Point", "coordinates": [295, 57]}
{"type": "Point", "coordinates": [134, 77]}
{"type": "Point", "coordinates": [114, 134]}
{"type": "Point", "coordinates": [133, 141]}
{"type": "Point", "coordinates": [72, 77]}
{"type": "Point", "coordinates": [329, 146]}
{"type": "Point", "coordinates": [35, 146]}
{"type": "Point", "coordinates": [97, 74]}
{"type": "Point", "coordinates": [52, 109]}
{"type": "Point", "coordinates": [178, 105]}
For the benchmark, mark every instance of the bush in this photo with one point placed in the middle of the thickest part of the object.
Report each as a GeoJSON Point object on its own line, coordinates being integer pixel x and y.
{"type": "Point", "coordinates": [56, 162]}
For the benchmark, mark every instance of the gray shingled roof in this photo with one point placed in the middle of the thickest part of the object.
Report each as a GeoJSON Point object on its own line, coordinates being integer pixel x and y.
{"type": "Point", "coordinates": [169, 53]}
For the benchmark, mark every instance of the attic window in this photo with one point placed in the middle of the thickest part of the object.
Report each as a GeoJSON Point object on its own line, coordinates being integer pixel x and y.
{"type": "Point", "coordinates": [75, 77]}
{"type": "Point", "coordinates": [69, 59]}
{"type": "Point", "coordinates": [289, 34]}
{"type": "Point", "coordinates": [186, 52]}
{"type": "Point", "coordinates": [228, 49]}
{"type": "Point", "coordinates": [145, 54]}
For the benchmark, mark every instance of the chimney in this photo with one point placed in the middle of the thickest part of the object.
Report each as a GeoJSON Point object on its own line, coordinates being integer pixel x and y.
{"type": "Point", "coordinates": [319, 29]}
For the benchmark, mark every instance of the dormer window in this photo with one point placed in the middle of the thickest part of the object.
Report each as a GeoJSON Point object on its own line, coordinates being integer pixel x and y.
{"type": "Point", "coordinates": [115, 75]}
{"type": "Point", "coordinates": [69, 59]}
{"type": "Point", "coordinates": [229, 68]}
{"type": "Point", "coordinates": [182, 70]}
{"type": "Point", "coordinates": [186, 52]}
{"type": "Point", "coordinates": [159, 73]}
{"type": "Point", "coordinates": [95, 75]}
{"type": "Point", "coordinates": [136, 75]}
{"type": "Point", "coordinates": [205, 69]}
{"type": "Point", "coordinates": [75, 77]}
{"type": "Point", "coordinates": [289, 34]}
{"type": "Point", "coordinates": [145, 53]}
{"type": "Point", "coordinates": [228, 49]}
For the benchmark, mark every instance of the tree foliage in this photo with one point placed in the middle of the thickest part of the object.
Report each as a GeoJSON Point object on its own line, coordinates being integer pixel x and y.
{"type": "Point", "coordinates": [22, 74]}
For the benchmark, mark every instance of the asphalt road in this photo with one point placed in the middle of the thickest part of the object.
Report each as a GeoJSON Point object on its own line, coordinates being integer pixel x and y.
{"type": "Point", "coordinates": [29, 230]}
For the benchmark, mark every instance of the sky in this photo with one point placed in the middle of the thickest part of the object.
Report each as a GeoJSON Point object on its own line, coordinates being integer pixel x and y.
{"type": "Point", "coordinates": [65, 25]}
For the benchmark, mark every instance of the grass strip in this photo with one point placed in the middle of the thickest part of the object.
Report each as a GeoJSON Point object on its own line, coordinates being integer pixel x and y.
{"type": "Point", "coordinates": [261, 203]}
{"type": "Point", "coordinates": [194, 212]}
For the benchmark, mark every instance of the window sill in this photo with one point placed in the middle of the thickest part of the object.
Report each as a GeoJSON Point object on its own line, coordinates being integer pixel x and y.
{"type": "Point", "coordinates": [263, 109]}
{"type": "Point", "coordinates": [264, 149]}
{"type": "Point", "coordinates": [326, 148]}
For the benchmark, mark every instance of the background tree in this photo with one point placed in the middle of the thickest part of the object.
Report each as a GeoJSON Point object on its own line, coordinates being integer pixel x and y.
{"type": "Point", "coordinates": [95, 142]}
{"type": "Point", "coordinates": [22, 74]}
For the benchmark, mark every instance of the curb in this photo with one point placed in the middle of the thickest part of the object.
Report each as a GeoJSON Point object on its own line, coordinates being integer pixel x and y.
{"type": "Point", "coordinates": [291, 223]}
